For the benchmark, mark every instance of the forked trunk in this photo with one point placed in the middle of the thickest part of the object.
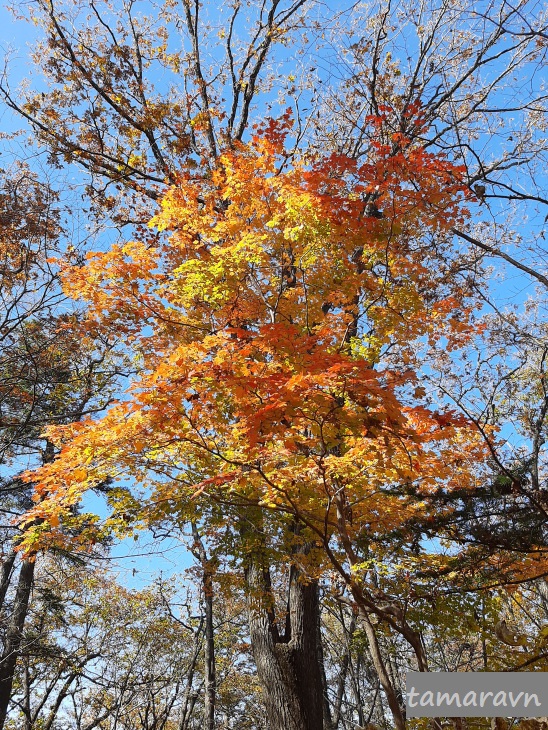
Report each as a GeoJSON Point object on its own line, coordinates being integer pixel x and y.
{"type": "Point", "coordinates": [288, 665]}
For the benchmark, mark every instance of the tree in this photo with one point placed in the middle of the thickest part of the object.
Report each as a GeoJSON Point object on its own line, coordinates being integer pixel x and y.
{"type": "Point", "coordinates": [105, 110]}
{"type": "Point", "coordinates": [100, 655]}
{"type": "Point", "coordinates": [50, 372]}
{"type": "Point", "coordinates": [279, 383]}
{"type": "Point", "coordinates": [30, 228]}
{"type": "Point", "coordinates": [478, 115]}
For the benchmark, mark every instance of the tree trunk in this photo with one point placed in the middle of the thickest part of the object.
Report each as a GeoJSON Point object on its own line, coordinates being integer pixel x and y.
{"type": "Point", "coordinates": [343, 671]}
{"type": "Point", "coordinates": [5, 576]}
{"type": "Point", "coordinates": [382, 673]}
{"type": "Point", "coordinates": [327, 718]}
{"type": "Point", "coordinates": [209, 654]}
{"type": "Point", "coordinates": [288, 666]}
{"type": "Point", "coordinates": [14, 635]}
{"type": "Point", "coordinates": [209, 648]}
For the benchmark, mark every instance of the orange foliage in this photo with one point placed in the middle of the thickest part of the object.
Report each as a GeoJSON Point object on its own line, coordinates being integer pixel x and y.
{"type": "Point", "coordinates": [279, 328]}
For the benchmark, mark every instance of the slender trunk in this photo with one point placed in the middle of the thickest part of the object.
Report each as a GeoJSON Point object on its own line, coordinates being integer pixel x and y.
{"type": "Point", "coordinates": [382, 672]}
{"type": "Point", "coordinates": [26, 699]}
{"type": "Point", "coordinates": [209, 648]}
{"type": "Point", "coordinates": [327, 718]}
{"type": "Point", "coordinates": [209, 655]}
{"type": "Point", "coordinates": [190, 696]}
{"type": "Point", "coordinates": [14, 633]}
{"type": "Point", "coordinates": [358, 699]}
{"type": "Point", "coordinates": [12, 647]}
{"type": "Point", "coordinates": [343, 671]}
{"type": "Point", "coordinates": [288, 666]}
{"type": "Point", "coordinates": [5, 576]}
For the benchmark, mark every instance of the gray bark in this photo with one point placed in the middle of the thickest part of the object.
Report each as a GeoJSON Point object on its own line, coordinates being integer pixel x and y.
{"type": "Point", "coordinates": [288, 665]}
{"type": "Point", "coordinates": [14, 636]}
{"type": "Point", "coordinates": [209, 647]}
{"type": "Point", "coordinates": [5, 576]}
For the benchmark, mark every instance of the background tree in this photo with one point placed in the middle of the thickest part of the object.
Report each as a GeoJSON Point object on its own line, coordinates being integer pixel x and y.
{"type": "Point", "coordinates": [50, 373]}
{"type": "Point", "coordinates": [100, 655]}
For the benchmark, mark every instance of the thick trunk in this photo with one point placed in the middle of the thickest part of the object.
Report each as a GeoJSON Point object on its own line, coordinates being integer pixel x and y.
{"type": "Point", "coordinates": [288, 666]}
{"type": "Point", "coordinates": [14, 635]}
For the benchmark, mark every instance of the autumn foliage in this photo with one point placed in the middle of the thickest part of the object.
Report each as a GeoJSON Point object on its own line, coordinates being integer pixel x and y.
{"type": "Point", "coordinates": [277, 330]}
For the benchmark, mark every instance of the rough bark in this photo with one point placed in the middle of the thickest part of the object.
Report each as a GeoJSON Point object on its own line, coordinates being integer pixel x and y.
{"type": "Point", "coordinates": [288, 665]}
{"type": "Point", "coordinates": [14, 636]}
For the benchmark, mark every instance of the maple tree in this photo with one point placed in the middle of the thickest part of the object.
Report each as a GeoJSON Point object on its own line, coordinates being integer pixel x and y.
{"type": "Point", "coordinates": [277, 329]}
